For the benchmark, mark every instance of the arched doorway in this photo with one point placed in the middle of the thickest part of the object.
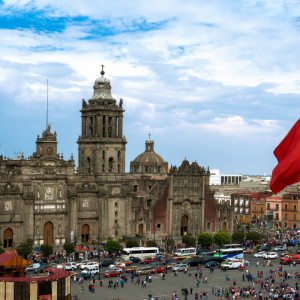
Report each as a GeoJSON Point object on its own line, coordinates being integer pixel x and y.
{"type": "Point", "coordinates": [141, 230]}
{"type": "Point", "coordinates": [48, 233]}
{"type": "Point", "coordinates": [184, 225]}
{"type": "Point", "coordinates": [85, 232]}
{"type": "Point", "coordinates": [8, 238]}
{"type": "Point", "coordinates": [224, 229]}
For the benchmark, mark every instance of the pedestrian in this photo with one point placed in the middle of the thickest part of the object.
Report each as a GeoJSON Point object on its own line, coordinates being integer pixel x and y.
{"type": "Point", "coordinates": [191, 290]}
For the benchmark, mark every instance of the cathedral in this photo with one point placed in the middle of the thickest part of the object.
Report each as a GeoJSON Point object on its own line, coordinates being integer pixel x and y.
{"type": "Point", "coordinates": [46, 199]}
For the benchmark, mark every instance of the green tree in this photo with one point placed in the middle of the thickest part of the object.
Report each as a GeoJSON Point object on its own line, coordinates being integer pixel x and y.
{"type": "Point", "coordinates": [205, 239]}
{"type": "Point", "coordinates": [188, 240]}
{"type": "Point", "coordinates": [112, 246]}
{"type": "Point", "coordinates": [47, 250]}
{"type": "Point", "coordinates": [151, 243]}
{"type": "Point", "coordinates": [69, 248]}
{"type": "Point", "coordinates": [238, 237]}
{"type": "Point", "coordinates": [170, 241]}
{"type": "Point", "coordinates": [24, 250]}
{"type": "Point", "coordinates": [222, 238]}
{"type": "Point", "coordinates": [253, 236]}
{"type": "Point", "coordinates": [131, 243]}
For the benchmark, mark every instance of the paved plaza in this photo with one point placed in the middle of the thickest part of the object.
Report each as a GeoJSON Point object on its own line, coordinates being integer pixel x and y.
{"type": "Point", "coordinates": [163, 289]}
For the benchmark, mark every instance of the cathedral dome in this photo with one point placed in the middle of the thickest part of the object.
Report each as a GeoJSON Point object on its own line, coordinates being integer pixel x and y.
{"type": "Point", "coordinates": [149, 161]}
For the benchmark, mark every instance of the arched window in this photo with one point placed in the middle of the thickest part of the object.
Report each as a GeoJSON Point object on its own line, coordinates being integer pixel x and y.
{"type": "Point", "coordinates": [110, 165]}
{"type": "Point", "coordinates": [119, 155]}
{"type": "Point", "coordinates": [103, 155]}
{"type": "Point", "coordinates": [8, 238]}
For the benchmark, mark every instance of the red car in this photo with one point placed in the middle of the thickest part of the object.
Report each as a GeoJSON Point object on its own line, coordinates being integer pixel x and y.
{"type": "Point", "coordinates": [147, 260]}
{"type": "Point", "coordinates": [289, 259]}
{"type": "Point", "coordinates": [158, 269]}
{"type": "Point", "coordinates": [112, 273]}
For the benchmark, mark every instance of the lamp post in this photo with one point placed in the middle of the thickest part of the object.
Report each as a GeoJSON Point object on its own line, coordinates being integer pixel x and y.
{"type": "Point", "coordinates": [99, 257]}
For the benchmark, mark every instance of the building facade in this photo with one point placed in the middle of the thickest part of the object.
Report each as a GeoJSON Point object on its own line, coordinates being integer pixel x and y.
{"type": "Point", "coordinates": [43, 198]}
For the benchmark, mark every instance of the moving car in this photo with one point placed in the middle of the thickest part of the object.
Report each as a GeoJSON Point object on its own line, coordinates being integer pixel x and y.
{"type": "Point", "coordinates": [107, 262]}
{"type": "Point", "coordinates": [144, 271]}
{"type": "Point", "coordinates": [147, 260]}
{"type": "Point", "coordinates": [270, 255]}
{"type": "Point", "coordinates": [33, 267]}
{"type": "Point", "coordinates": [231, 265]}
{"type": "Point", "coordinates": [260, 254]}
{"type": "Point", "coordinates": [70, 266]}
{"type": "Point", "coordinates": [92, 271]}
{"type": "Point", "coordinates": [135, 259]}
{"type": "Point", "coordinates": [89, 265]}
{"type": "Point", "coordinates": [280, 248]}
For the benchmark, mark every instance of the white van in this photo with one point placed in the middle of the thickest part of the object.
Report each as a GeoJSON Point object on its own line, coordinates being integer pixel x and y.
{"type": "Point", "coordinates": [90, 265]}
{"type": "Point", "coordinates": [185, 251]}
{"type": "Point", "coordinates": [92, 271]}
{"type": "Point", "coordinates": [231, 265]}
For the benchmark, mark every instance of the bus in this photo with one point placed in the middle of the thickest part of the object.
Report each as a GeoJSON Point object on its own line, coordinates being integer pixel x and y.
{"type": "Point", "coordinates": [139, 252]}
{"type": "Point", "coordinates": [230, 252]}
{"type": "Point", "coordinates": [232, 246]}
{"type": "Point", "coordinates": [185, 251]}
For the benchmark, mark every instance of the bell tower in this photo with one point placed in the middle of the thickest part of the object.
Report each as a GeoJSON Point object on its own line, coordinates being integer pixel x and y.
{"type": "Point", "coordinates": [101, 145]}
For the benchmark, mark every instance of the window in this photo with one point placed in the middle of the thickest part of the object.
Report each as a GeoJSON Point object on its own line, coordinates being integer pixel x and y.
{"type": "Point", "coordinates": [116, 222]}
{"type": "Point", "coordinates": [208, 226]}
{"type": "Point", "coordinates": [119, 155]}
{"type": "Point", "coordinates": [103, 168]}
{"type": "Point", "coordinates": [116, 213]}
{"type": "Point", "coordinates": [88, 165]}
{"type": "Point", "coordinates": [146, 169]}
{"type": "Point", "coordinates": [294, 217]}
{"type": "Point", "coordinates": [158, 169]}
{"type": "Point", "coordinates": [254, 208]}
{"type": "Point", "coordinates": [119, 168]}
{"type": "Point", "coordinates": [277, 206]}
{"type": "Point", "coordinates": [116, 204]}
{"type": "Point", "coordinates": [241, 202]}
{"type": "Point", "coordinates": [285, 216]}
{"type": "Point", "coordinates": [103, 155]}
{"type": "Point", "coordinates": [135, 188]}
{"type": "Point", "coordinates": [285, 207]}
{"type": "Point", "coordinates": [276, 216]}
{"type": "Point", "coordinates": [295, 207]}
{"type": "Point", "coordinates": [110, 164]}
{"type": "Point", "coordinates": [148, 202]}
{"type": "Point", "coordinates": [158, 227]}
{"type": "Point", "coordinates": [235, 202]}
{"type": "Point", "coordinates": [268, 205]}
{"type": "Point", "coordinates": [247, 202]}
{"type": "Point", "coordinates": [235, 209]}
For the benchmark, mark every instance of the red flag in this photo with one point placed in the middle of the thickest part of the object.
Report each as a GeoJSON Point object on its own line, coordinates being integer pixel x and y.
{"type": "Point", "coordinates": [287, 153]}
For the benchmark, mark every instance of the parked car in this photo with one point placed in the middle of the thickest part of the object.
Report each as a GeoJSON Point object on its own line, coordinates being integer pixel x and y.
{"type": "Point", "coordinates": [158, 269]}
{"type": "Point", "coordinates": [70, 266]}
{"type": "Point", "coordinates": [147, 260]}
{"type": "Point", "coordinates": [130, 269]}
{"type": "Point", "coordinates": [180, 267]}
{"type": "Point", "coordinates": [135, 259]}
{"type": "Point", "coordinates": [92, 271]}
{"type": "Point", "coordinates": [112, 273]}
{"type": "Point", "coordinates": [212, 264]}
{"type": "Point", "coordinates": [195, 261]}
{"type": "Point", "coordinates": [107, 262]}
{"type": "Point", "coordinates": [144, 271]}
{"type": "Point", "coordinates": [84, 275]}
{"type": "Point", "coordinates": [89, 265]}
{"type": "Point", "coordinates": [115, 268]}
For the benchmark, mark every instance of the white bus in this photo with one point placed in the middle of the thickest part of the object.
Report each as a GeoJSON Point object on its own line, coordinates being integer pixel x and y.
{"type": "Point", "coordinates": [232, 246]}
{"type": "Point", "coordinates": [185, 251]}
{"type": "Point", "coordinates": [233, 252]}
{"type": "Point", "coordinates": [138, 252]}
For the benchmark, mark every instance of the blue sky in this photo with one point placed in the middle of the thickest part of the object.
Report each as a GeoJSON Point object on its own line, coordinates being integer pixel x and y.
{"type": "Point", "coordinates": [217, 82]}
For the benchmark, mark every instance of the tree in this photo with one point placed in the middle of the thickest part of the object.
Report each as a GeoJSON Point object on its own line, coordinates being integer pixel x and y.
{"type": "Point", "coordinates": [151, 243]}
{"type": "Point", "coordinates": [112, 246]}
{"type": "Point", "coordinates": [170, 241]}
{"type": "Point", "coordinates": [47, 250]}
{"type": "Point", "coordinates": [253, 236]}
{"type": "Point", "coordinates": [238, 237]}
{"type": "Point", "coordinates": [132, 243]}
{"type": "Point", "coordinates": [24, 250]}
{"type": "Point", "coordinates": [222, 238]}
{"type": "Point", "coordinates": [205, 239]}
{"type": "Point", "coordinates": [188, 240]}
{"type": "Point", "coordinates": [69, 248]}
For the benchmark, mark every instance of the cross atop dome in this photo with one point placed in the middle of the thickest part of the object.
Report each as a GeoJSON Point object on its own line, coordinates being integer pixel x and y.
{"type": "Point", "coordinates": [102, 72]}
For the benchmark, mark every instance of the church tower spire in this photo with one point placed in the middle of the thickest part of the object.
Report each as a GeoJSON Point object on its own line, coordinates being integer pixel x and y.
{"type": "Point", "coordinates": [101, 144]}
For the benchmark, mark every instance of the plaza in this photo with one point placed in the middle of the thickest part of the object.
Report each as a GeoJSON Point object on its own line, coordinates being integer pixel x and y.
{"type": "Point", "coordinates": [164, 289]}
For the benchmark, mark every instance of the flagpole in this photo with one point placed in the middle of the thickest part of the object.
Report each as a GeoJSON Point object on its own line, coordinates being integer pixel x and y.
{"type": "Point", "coordinates": [47, 108]}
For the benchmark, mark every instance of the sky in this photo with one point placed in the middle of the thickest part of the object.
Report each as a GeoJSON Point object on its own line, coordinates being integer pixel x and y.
{"type": "Point", "coordinates": [217, 82]}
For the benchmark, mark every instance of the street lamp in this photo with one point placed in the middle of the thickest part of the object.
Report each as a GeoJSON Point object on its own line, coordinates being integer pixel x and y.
{"type": "Point", "coordinates": [99, 257]}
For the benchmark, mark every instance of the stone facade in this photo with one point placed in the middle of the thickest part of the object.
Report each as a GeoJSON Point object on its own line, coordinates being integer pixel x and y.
{"type": "Point", "coordinates": [43, 198]}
